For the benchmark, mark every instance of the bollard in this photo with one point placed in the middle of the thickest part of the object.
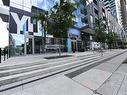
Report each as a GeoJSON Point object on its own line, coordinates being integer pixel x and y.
{"type": "Point", "coordinates": [0, 55]}
{"type": "Point", "coordinates": [7, 54]}
{"type": "Point", "coordinates": [4, 54]}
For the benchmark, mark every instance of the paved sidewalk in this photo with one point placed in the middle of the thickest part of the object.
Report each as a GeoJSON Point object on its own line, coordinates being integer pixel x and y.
{"type": "Point", "coordinates": [95, 77]}
{"type": "Point", "coordinates": [116, 84]}
{"type": "Point", "coordinates": [87, 83]}
{"type": "Point", "coordinates": [40, 57]}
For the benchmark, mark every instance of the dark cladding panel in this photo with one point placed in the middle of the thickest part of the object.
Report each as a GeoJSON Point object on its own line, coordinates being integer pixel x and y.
{"type": "Point", "coordinates": [6, 2]}
{"type": "Point", "coordinates": [19, 11]}
{"type": "Point", "coordinates": [36, 10]}
{"type": "Point", "coordinates": [27, 25]}
{"type": "Point", "coordinates": [12, 25]}
{"type": "Point", "coordinates": [35, 27]}
{"type": "Point", "coordinates": [4, 17]}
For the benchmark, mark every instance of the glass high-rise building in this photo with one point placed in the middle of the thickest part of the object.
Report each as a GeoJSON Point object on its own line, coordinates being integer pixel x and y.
{"type": "Point", "coordinates": [21, 33]}
{"type": "Point", "coordinates": [111, 6]}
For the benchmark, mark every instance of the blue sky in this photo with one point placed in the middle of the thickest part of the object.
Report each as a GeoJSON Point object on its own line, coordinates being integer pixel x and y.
{"type": "Point", "coordinates": [46, 4]}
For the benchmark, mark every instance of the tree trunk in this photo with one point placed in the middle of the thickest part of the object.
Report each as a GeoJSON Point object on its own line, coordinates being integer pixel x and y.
{"type": "Point", "coordinates": [101, 49]}
{"type": "Point", "coordinates": [43, 37]}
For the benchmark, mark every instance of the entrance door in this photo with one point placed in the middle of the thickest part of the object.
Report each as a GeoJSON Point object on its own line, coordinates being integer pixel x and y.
{"type": "Point", "coordinates": [74, 46]}
{"type": "Point", "coordinates": [37, 44]}
{"type": "Point", "coordinates": [29, 46]}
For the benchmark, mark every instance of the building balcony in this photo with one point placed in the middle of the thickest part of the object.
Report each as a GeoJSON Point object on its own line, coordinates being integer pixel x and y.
{"type": "Point", "coordinates": [88, 29]}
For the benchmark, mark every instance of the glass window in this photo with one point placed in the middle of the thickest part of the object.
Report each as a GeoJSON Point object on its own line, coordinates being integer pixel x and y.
{"type": "Point", "coordinates": [85, 20]}
{"type": "Point", "coordinates": [83, 2]}
{"type": "Point", "coordinates": [95, 2]}
{"type": "Point", "coordinates": [95, 11]}
{"type": "Point", "coordinates": [84, 11]}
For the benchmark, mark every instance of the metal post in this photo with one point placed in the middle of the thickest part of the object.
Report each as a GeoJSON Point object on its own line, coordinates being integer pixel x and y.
{"type": "Point", "coordinates": [4, 54]}
{"type": "Point", "coordinates": [0, 55]}
{"type": "Point", "coordinates": [25, 46]}
{"type": "Point", "coordinates": [7, 53]}
{"type": "Point", "coordinates": [33, 45]}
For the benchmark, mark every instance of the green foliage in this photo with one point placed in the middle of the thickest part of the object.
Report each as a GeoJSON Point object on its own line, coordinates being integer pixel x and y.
{"type": "Point", "coordinates": [43, 18]}
{"type": "Point", "coordinates": [61, 18]}
{"type": "Point", "coordinates": [111, 39]}
{"type": "Point", "coordinates": [100, 34]}
{"type": "Point", "coordinates": [58, 21]}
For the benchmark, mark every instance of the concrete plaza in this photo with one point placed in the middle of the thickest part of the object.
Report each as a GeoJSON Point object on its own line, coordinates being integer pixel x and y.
{"type": "Point", "coordinates": [107, 78]}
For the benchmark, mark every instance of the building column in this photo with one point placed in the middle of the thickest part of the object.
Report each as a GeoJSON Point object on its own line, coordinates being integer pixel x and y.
{"type": "Point", "coordinates": [69, 47]}
{"type": "Point", "coordinates": [33, 45]}
{"type": "Point", "coordinates": [25, 46]}
{"type": "Point", "coordinates": [91, 46]}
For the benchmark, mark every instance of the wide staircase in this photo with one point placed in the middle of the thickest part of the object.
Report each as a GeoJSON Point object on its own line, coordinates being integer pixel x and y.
{"type": "Point", "coordinates": [13, 75]}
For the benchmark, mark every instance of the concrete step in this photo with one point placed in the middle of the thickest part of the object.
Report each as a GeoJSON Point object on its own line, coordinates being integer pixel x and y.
{"type": "Point", "coordinates": [14, 66]}
{"type": "Point", "coordinates": [112, 85]}
{"type": "Point", "coordinates": [25, 77]}
{"type": "Point", "coordinates": [39, 66]}
{"type": "Point", "coordinates": [88, 56]}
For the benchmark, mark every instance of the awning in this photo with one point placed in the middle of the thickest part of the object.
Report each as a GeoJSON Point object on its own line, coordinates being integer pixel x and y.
{"type": "Point", "coordinates": [89, 31]}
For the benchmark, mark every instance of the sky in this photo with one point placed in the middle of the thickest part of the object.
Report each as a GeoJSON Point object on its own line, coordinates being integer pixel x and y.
{"type": "Point", "coordinates": [3, 34]}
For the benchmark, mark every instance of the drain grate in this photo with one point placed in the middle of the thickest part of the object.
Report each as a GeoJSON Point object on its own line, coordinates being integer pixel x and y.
{"type": "Point", "coordinates": [54, 57]}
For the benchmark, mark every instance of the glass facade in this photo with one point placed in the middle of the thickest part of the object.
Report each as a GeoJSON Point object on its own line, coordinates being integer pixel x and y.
{"type": "Point", "coordinates": [22, 33]}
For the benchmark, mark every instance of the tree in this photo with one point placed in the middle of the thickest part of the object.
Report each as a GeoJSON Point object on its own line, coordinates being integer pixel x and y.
{"type": "Point", "coordinates": [111, 39]}
{"type": "Point", "coordinates": [61, 18]}
{"type": "Point", "coordinates": [100, 34]}
{"type": "Point", "coordinates": [58, 21]}
{"type": "Point", "coordinates": [43, 18]}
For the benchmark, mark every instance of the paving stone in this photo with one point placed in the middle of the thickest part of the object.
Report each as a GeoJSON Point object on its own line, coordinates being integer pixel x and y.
{"type": "Point", "coordinates": [122, 69]}
{"type": "Point", "coordinates": [123, 89]}
{"type": "Point", "coordinates": [112, 85]}
{"type": "Point", "coordinates": [14, 91]}
{"type": "Point", "coordinates": [113, 64]}
{"type": "Point", "coordinates": [106, 67]}
{"type": "Point", "coordinates": [93, 78]}
{"type": "Point", "coordinates": [57, 86]}
{"type": "Point", "coordinates": [62, 86]}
